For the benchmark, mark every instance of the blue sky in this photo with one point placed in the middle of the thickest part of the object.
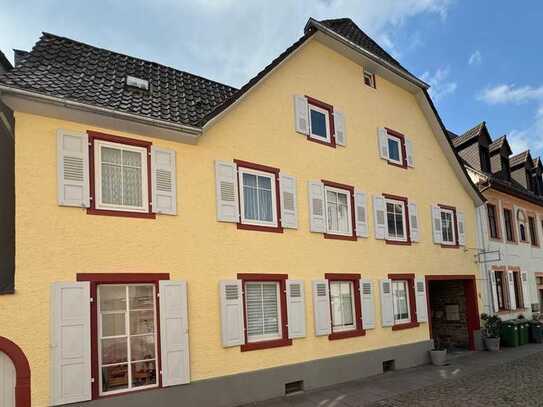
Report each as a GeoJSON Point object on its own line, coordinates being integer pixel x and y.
{"type": "Point", "coordinates": [483, 58]}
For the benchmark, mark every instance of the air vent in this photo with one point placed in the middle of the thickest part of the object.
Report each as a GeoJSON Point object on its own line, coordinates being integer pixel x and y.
{"type": "Point", "coordinates": [294, 387]}
{"type": "Point", "coordinates": [389, 366]}
{"type": "Point", "coordinates": [137, 83]}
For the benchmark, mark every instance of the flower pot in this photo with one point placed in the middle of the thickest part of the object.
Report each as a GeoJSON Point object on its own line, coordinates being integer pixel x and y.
{"type": "Point", "coordinates": [492, 344]}
{"type": "Point", "coordinates": [439, 357]}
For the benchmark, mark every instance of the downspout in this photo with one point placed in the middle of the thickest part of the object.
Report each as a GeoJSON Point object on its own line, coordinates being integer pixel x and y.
{"type": "Point", "coordinates": [485, 271]}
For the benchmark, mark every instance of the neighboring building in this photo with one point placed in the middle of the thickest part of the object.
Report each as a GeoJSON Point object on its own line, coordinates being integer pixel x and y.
{"type": "Point", "coordinates": [217, 246]}
{"type": "Point", "coordinates": [511, 222]}
{"type": "Point", "coordinates": [5, 65]}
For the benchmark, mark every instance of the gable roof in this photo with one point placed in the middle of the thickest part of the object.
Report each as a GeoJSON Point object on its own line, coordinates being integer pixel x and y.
{"type": "Point", "coordinates": [500, 143]}
{"type": "Point", "coordinates": [520, 158]}
{"type": "Point", "coordinates": [68, 69]}
{"type": "Point", "coordinates": [475, 131]}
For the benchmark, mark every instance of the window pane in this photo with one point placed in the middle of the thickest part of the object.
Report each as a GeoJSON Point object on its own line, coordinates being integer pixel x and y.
{"type": "Point", "coordinates": [253, 297]}
{"type": "Point", "coordinates": [262, 310]}
{"type": "Point", "coordinates": [342, 199]}
{"type": "Point", "coordinates": [264, 183]}
{"type": "Point", "coordinates": [142, 322]}
{"type": "Point", "coordinates": [114, 378]}
{"type": "Point", "coordinates": [343, 219]}
{"type": "Point", "coordinates": [143, 373]}
{"type": "Point", "coordinates": [132, 191]}
{"type": "Point", "coordinates": [111, 155]}
{"type": "Point", "coordinates": [142, 347]}
{"type": "Point", "coordinates": [132, 159]}
{"type": "Point", "coordinates": [112, 297]}
{"type": "Point", "coordinates": [318, 124]}
{"type": "Point", "coordinates": [335, 299]}
{"type": "Point", "coordinates": [249, 180]}
{"type": "Point", "coordinates": [141, 296]}
{"type": "Point", "coordinates": [271, 314]}
{"type": "Point", "coordinates": [250, 204]}
{"type": "Point", "coordinates": [111, 184]}
{"type": "Point", "coordinates": [347, 303]}
{"type": "Point", "coordinates": [333, 221]}
{"type": "Point", "coordinates": [114, 351]}
{"type": "Point", "coordinates": [265, 205]}
{"type": "Point", "coordinates": [113, 324]}
{"type": "Point", "coordinates": [399, 224]}
{"type": "Point", "coordinates": [331, 197]}
{"type": "Point", "coordinates": [393, 149]}
{"type": "Point", "coordinates": [401, 305]}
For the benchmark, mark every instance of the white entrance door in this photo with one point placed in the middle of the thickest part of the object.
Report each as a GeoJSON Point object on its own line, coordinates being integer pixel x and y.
{"type": "Point", "coordinates": [7, 381]}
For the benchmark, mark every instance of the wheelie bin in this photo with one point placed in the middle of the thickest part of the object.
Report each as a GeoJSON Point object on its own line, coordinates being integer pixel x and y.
{"type": "Point", "coordinates": [509, 333]}
{"type": "Point", "coordinates": [536, 332]}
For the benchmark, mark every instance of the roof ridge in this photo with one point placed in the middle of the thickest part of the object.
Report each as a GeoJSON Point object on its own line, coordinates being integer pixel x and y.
{"type": "Point", "coordinates": [47, 34]}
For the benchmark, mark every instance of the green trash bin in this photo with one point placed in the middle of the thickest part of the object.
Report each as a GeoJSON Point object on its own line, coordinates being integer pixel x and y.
{"type": "Point", "coordinates": [536, 332]}
{"type": "Point", "coordinates": [509, 333]}
{"type": "Point", "coordinates": [523, 331]}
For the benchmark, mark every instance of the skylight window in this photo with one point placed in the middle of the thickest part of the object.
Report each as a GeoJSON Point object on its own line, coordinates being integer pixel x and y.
{"type": "Point", "coordinates": [138, 83]}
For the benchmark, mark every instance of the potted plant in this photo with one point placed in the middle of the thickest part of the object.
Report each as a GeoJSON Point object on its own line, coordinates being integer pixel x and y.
{"type": "Point", "coordinates": [491, 331]}
{"type": "Point", "coordinates": [438, 355]}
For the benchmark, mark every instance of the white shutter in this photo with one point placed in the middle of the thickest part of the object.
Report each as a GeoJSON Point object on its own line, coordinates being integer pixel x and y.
{"type": "Point", "coordinates": [361, 213]}
{"type": "Point", "coordinates": [232, 324]}
{"type": "Point", "coordinates": [295, 308]}
{"type": "Point", "coordinates": [227, 191]}
{"type": "Point", "coordinates": [7, 381]}
{"type": "Point", "coordinates": [301, 115]}
{"type": "Point", "coordinates": [339, 126]}
{"type": "Point", "coordinates": [164, 188]}
{"type": "Point", "coordinates": [414, 226]}
{"type": "Point", "coordinates": [525, 292]}
{"type": "Point", "coordinates": [383, 143]}
{"type": "Point", "coordinates": [316, 207]}
{"type": "Point", "coordinates": [436, 225]}
{"type": "Point", "coordinates": [289, 206]}
{"type": "Point", "coordinates": [461, 230]}
{"type": "Point", "coordinates": [174, 332]}
{"type": "Point", "coordinates": [511, 285]}
{"type": "Point", "coordinates": [73, 169]}
{"type": "Point", "coordinates": [368, 306]}
{"type": "Point", "coordinates": [321, 308]}
{"type": "Point", "coordinates": [494, 291]}
{"type": "Point", "coordinates": [387, 308]}
{"type": "Point", "coordinates": [409, 152]}
{"type": "Point", "coordinates": [379, 217]}
{"type": "Point", "coordinates": [70, 336]}
{"type": "Point", "coordinates": [420, 299]}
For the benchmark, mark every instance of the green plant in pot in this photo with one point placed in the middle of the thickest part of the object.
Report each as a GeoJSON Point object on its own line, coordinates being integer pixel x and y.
{"type": "Point", "coordinates": [438, 355]}
{"type": "Point", "coordinates": [491, 331]}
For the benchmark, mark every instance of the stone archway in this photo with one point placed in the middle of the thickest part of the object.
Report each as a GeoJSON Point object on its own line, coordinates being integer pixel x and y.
{"type": "Point", "coordinates": [22, 371]}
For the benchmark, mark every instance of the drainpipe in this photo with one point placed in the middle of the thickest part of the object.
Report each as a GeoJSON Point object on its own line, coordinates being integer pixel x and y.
{"type": "Point", "coordinates": [482, 244]}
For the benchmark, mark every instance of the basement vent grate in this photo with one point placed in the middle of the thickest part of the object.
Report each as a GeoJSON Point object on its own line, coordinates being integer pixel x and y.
{"type": "Point", "coordinates": [294, 387]}
{"type": "Point", "coordinates": [389, 366]}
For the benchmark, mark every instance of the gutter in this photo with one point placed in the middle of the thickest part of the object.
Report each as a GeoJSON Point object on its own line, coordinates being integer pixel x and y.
{"type": "Point", "coordinates": [411, 78]}
{"type": "Point", "coordinates": [196, 131]}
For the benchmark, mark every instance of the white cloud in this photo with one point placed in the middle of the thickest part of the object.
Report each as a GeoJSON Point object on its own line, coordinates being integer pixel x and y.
{"type": "Point", "coordinates": [440, 85]}
{"type": "Point", "coordinates": [475, 58]}
{"type": "Point", "coordinates": [529, 138]}
{"type": "Point", "coordinates": [219, 39]}
{"type": "Point", "coordinates": [505, 93]}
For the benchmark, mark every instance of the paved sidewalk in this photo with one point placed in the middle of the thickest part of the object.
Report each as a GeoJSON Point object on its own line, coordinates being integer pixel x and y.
{"type": "Point", "coordinates": [468, 380]}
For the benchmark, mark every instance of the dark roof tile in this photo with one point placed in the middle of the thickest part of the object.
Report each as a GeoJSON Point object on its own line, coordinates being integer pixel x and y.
{"type": "Point", "coordinates": [468, 135]}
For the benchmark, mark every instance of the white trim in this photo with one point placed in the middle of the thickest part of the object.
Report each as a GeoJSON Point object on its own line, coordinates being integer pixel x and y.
{"type": "Point", "coordinates": [344, 327]}
{"type": "Point", "coordinates": [400, 150]}
{"type": "Point", "coordinates": [404, 226]}
{"type": "Point", "coordinates": [453, 227]}
{"type": "Point", "coordinates": [349, 212]}
{"type": "Point", "coordinates": [144, 208]}
{"type": "Point", "coordinates": [326, 114]}
{"type": "Point", "coordinates": [272, 177]}
{"type": "Point", "coordinates": [264, 337]}
{"type": "Point", "coordinates": [395, 299]}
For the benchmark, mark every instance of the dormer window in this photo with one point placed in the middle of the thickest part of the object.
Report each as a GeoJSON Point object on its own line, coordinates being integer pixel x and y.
{"type": "Point", "coordinates": [137, 83]}
{"type": "Point", "coordinates": [506, 171]}
{"type": "Point", "coordinates": [369, 79]}
{"type": "Point", "coordinates": [484, 157]}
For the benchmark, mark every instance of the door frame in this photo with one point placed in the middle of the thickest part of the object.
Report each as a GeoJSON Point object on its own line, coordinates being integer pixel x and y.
{"type": "Point", "coordinates": [472, 305]}
{"type": "Point", "coordinates": [22, 371]}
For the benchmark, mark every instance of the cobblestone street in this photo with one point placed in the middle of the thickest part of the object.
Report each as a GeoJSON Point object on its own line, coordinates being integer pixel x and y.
{"type": "Point", "coordinates": [512, 377]}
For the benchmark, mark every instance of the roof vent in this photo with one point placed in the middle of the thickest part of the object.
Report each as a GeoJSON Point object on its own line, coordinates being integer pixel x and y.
{"type": "Point", "coordinates": [138, 83]}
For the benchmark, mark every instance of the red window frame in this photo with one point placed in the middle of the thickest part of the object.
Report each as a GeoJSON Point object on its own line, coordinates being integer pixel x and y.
{"type": "Point", "coordinates": [410, 278]}
{"type": "Point", "coordinates": [330, 109]}
{"type": "Point", "coordinates": [350, 189]}
{"type": "Point", "coordinates": [510, 224]}
{"type": "Point", "coordinates": [493, 220]}
{"type": "Point", "coordinates": [401, 137]}
{"type": "Point", "coordinates": [406, 220]}
{"type": "Point", "coordinates": [96, 279]}
{"type": "Point", "coordinates": [355, 279]}
{"type": "Point", "coordinates": [272, 171]}
{"type": "Point", "coordinates": [274, 343]}
{"type": "Point", "coordinates": [94, 135]}
{"type": "Point", "coordinates": [456, 245]}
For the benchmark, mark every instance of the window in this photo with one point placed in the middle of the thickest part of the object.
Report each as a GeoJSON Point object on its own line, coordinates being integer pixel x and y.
{"type": "Point", "coordinates": [400, 297]}
{"type": "Point", "coordinates": [121, 178]}
{"type": "Point", "coordinates": [448, 229]}
{"type": "Point", "coordinates": [258, 197]}
{"type": "Point", "coordinates": [263, 311]}
{"type": "Point", "coordinates": [484, 157]}
{"type": "Point", "coordinates": [395, 153]}
{"type": "Point", "coordinates": [493, 221]}
{"type": "Point", "coordinates": [396, 220]}
{"type": "Point", "coordinates": [509, 230]}
{"type": "Point", "coordinates": [517, 283]}
{"type": "Point", "coordinates": [338, 211]}
{"type": "Point", "coordinates": [369, 79]}
{"type": "Point", "coordinates": [127, 337]}
{"type": "Point", "coordinates": [533, 231]}
{"type": "Point", "coordinates": [500, 289]}
{"type": "Point", "coordinates": [319, 123]}
{"type": "Point", "coordinates": [505, 168]}
{"type": "Point", "coordinates": [342, 306]}
{"type": "Point", "coordinates": [521, 218]}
